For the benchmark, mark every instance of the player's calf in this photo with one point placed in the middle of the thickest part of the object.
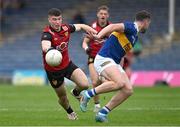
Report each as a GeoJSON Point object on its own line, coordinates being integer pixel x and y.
{"type": "Point", "coordinates": [63, 101]}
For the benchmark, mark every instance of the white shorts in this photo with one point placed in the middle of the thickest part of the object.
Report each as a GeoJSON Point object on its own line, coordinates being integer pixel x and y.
{"type": "Point", "coordinates": [101, 63]}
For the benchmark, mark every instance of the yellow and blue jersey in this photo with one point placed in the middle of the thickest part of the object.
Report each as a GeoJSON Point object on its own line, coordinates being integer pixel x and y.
{"type": "Point", "coordinates": [118, 44]}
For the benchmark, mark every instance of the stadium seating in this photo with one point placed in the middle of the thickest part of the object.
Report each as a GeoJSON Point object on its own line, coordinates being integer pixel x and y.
{"type": "Point", "coordinates": [25, 53]}
{"type": "Point", "coordinates": [167, 59]}
{"type": "Point", "coordinates": [34, 10]}
{"type": "Point", "coordinates": [124, 10]}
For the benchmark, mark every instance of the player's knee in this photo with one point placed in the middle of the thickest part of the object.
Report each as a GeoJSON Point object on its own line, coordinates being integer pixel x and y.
{"type": "Point", "coordinates": [128, 90]}
{"type": "Point", "coordinates": [115, 86]}
{"type": "Point", "coordinates": [119, 84]}
{"type": "Point", "coordinates": [95, 82]}
{"type": "Point", "coordinates": [85, 85]}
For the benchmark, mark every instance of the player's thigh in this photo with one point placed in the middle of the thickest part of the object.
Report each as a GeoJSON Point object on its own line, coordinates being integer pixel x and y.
{"type": "Point", "coordinates": [114, 73]}
{"type": "Point", "coordinates": [93, 75]}
{"type": "Point", "coordinates": [56, 79]}
{"type": "Point", "coordinates": [79, 77]}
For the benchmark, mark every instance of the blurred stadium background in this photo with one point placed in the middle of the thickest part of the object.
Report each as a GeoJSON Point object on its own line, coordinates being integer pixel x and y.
{"type": "Point", "coordinates": [22, 21]}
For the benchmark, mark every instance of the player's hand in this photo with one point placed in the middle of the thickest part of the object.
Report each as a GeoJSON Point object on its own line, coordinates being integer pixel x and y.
{"type": "Point", "coordinates": [95, 36]}
{"type": "Point", "coordinates": [101, 40]}
{"type": "Point", "coordinates": [49, 49]}
{"type": "Point", "coordinates": [90, 35]}
{"type": "Point", "coordinates": [92, 31]}
{"type": "Point", "coordinates": [87, 50]}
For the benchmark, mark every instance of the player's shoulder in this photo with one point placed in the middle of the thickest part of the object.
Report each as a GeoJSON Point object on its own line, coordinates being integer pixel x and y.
{"type": "Point", "coordinates": [109, 22]}
{"type": "Point", "coordinates": [128, 23]}
{"type": "Point", "coordinates": [46, 29]}
{"type": "Point", "coordinates": [94, 24]}
{"type": "Point", "coordinates": [65, 27]}
{"type": "Point", "coordinates": [68, 27]}
{"type": "Point", "coordinates": [130, 26]}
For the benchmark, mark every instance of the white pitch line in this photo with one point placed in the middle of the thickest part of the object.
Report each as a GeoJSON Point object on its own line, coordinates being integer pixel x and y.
{"type": "Point", "coordinates": [28, 109]}
{"type": "Point", "coordinates": [151, 109]}
{"type": "Point", "coordinates": [128, 109]}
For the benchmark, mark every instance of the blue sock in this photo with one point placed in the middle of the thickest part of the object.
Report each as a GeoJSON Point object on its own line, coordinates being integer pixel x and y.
{"type": "Point", "coordinates": [104, 111]}
{"type": "Point", "coordinates": [91, 93]}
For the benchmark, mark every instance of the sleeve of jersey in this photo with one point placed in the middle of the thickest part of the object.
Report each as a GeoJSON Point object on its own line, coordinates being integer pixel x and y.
{"type": "Point", "coordinates": [72, 28]}
{"type": "Point", "coordinates": [128, 27]}
{"type": "Point", "coordinates": [46, 36]}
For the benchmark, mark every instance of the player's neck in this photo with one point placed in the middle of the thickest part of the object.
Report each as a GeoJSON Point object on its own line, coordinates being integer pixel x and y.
{"type": "Point", "coordinates": [56, 30]}
{"type": "Point", "coordinates": [102, 24]}
{"type": "Point", "coordinates": [138, 25]}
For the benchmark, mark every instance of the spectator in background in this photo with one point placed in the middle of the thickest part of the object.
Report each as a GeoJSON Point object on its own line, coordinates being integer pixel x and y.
{"type": "Point", "coordinates": [2, 21]}
{"type": "Point", "coordinates": [1, 18]}
{"type": "Point", "coordinates": [79, 18]}
{"type": "Point", "coordinates": [12, 6]}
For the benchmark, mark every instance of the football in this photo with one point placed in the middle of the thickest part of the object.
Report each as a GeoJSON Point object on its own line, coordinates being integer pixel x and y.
{"type": "Point", "coordinates": [53, 57]}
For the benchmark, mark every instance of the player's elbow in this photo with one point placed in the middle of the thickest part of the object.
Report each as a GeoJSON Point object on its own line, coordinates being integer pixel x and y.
{"type": "Point", "coordinates": [78, 27]}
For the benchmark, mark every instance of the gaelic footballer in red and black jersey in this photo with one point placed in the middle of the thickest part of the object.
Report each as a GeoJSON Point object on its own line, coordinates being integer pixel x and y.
{"type": "Point", "coordinates": [59, 40]}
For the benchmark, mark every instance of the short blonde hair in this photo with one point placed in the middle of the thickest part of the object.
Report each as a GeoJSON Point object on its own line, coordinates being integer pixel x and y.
{"type": "Point", "coordinates": [103, 7]}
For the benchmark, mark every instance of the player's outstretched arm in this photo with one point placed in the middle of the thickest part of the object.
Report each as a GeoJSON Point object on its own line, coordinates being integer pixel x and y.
{"type": "Point", "coordinates": [118, 27]}
{"type": "Point", "coordinates": [85, 44]}
{"type": "Point", "coordinates": [84, 27]}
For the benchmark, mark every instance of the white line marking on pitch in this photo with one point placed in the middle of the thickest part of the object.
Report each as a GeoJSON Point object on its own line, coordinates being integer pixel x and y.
{"type": "Point", "coordinates": [129, 109]}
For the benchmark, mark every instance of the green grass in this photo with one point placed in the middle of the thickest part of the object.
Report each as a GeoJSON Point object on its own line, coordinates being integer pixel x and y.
{"type": "Point", "coordinates": [35, 105]}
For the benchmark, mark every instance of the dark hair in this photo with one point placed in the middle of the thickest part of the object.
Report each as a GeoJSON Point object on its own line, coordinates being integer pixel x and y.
{"type": "Point", "coordinates": [103, 7]}
{"type": "Point", "coordinates": [54, 12]}
{"type": "Point", "coordinates": [141, 15]}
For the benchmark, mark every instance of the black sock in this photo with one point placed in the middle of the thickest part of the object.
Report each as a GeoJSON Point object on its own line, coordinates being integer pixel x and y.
{"type": "Point", "coordinates": [97, 102]}
{"type": "Point", "coordinates": [69, 110]}
{"type": "Point", "coordinates": [76, 92]}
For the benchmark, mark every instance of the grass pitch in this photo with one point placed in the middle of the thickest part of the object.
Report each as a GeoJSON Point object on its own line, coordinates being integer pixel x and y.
{"type": "Point", "coordinates": [37, 106]}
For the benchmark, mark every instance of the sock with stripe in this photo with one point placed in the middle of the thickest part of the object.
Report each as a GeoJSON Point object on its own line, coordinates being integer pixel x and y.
{"type": "Point", "coordinates": [91, 93]}
{"type": "Point", "coordinates": [104, 111]}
